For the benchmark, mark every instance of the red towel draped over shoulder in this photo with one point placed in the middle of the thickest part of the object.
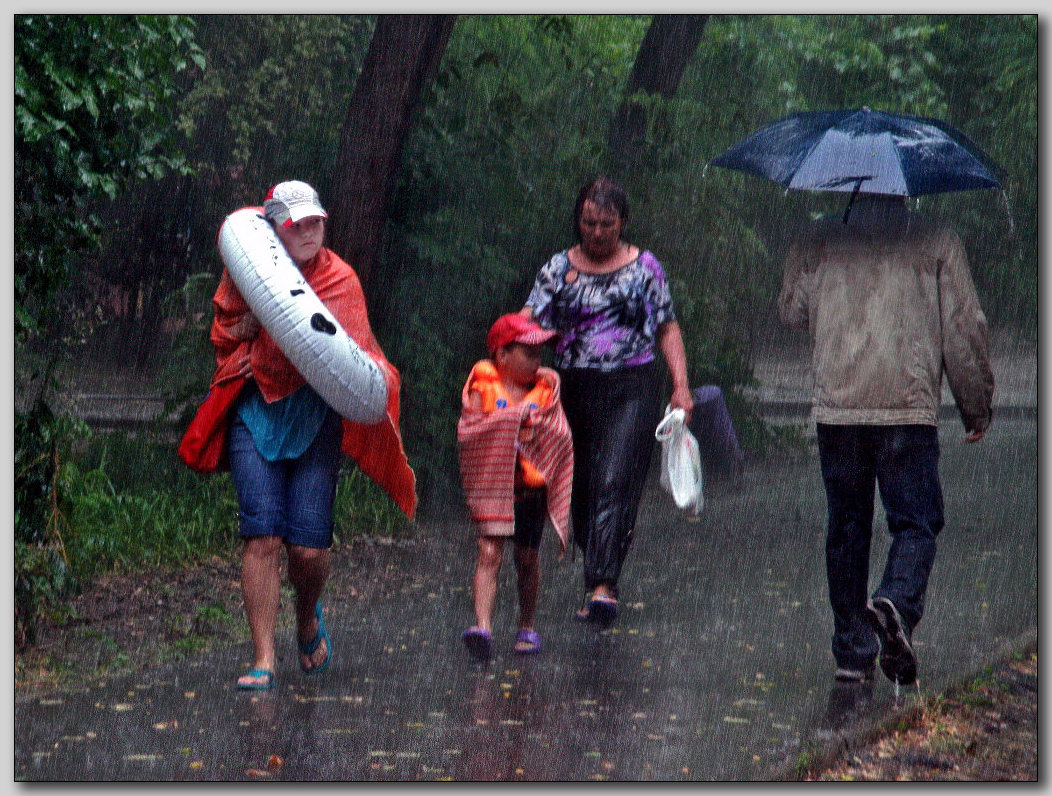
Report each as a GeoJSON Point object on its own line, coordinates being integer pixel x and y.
{"type": "Point", "coordinates": [377, 449]}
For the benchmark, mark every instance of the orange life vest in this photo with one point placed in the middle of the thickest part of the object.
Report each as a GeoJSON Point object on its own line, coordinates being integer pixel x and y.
{"type": "Point", "coordinates": [485, 380]}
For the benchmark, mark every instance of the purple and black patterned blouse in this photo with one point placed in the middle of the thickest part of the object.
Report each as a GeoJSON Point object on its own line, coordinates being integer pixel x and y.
{"type": "Point", "coordinates": [607, 321]}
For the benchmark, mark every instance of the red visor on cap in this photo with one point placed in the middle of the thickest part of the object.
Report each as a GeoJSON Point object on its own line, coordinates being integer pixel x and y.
{"type": "Point", "coordinates": [517, 328]}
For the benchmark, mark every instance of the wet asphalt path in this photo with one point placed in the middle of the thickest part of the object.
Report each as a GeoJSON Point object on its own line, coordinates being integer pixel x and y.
{"type": "Point", "coordinates": [718, 669]}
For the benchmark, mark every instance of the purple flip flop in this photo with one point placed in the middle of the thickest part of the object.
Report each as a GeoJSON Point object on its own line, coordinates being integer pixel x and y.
{"type": "Point", "coordinates": [602, 610]}
{"type": "Point", "coordinates": [479, 642]}
{"type": "Point", "coordinates": [531, 637]}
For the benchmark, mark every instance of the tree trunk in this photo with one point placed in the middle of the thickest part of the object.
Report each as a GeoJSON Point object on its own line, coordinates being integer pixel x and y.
{"type": "Point", "coordinates": [403, 57]}
{"type": "Point", "coordinates": [667, 49]}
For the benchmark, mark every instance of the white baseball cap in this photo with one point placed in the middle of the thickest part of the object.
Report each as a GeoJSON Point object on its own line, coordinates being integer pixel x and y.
{"type": "Point", "coordinates": [288, 202]}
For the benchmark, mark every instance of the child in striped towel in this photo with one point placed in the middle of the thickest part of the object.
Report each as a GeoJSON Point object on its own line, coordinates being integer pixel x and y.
{"type": "Point", "coordinates": [516, 466]}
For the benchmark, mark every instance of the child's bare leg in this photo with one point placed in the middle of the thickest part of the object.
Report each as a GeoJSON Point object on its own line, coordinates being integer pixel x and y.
{"type": "Point", "coordinates": [491, 553]}
{"type": "Point", "coordinates": [527, 563]}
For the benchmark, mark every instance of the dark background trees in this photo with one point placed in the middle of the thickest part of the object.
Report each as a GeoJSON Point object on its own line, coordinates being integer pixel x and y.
{"type": "Point", "coordinates": [93, 104]}
{"type": "Point", "coordinates": [664, 54]}
{"type": "Point", "coordinates": [451, 168]}
{"type": "Point", "coordinates": [449, 152]}
{"type": "Point", "coordinates": [403, 56]}
{"type": "Point", "coordinates": [92, 101]}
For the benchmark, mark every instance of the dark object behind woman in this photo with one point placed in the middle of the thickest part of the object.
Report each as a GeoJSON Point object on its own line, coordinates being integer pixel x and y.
{"type": "Point", "coordinates": [611, 304]}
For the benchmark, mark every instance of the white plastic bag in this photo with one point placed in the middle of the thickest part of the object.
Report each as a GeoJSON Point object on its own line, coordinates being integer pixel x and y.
{"type": "Point", "coordinates": [681, 474]}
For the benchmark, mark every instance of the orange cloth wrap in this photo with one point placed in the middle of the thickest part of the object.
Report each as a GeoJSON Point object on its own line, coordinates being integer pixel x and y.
{"type": "Point", "coordinates": [377, 449]}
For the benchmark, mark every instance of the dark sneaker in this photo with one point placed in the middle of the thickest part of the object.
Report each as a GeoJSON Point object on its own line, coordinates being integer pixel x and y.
{"type": "Point", "coordinates": [898, 661]}
{"type": "Point", "coordinates": [847, 674]}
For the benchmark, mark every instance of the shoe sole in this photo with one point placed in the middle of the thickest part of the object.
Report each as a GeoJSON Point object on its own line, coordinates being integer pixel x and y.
{"type": "Point", "coordinates": [898, 661]}
{"type": "Point", "coordinates": [852, 676]}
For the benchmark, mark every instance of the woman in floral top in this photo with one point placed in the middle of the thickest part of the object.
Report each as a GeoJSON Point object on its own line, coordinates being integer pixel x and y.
{"type": "Point", "coordinates": [611, 303]}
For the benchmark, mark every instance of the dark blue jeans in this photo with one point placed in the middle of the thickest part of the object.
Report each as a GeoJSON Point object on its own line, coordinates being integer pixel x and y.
{"type": "Point", "coordinates": [904, 462]}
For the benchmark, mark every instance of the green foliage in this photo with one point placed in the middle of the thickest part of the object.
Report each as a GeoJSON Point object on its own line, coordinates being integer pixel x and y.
{"type": "Point", "coordinates": [42, 439]}
{"type": "Point", "coordinates": [515, 121]}
{"type": "Point", "coordinates": [362, 508]}
{"type": "Point", "coordinates": [883, 61]}
{"type": "Point", "coordinates": [803, 762]}
{"type": "Point", "coordinates": [131, 503]}
{"type": "Point", "coordinates": [990, 77]}
{"type": "Point", "coordinates": [42, 580]}
{"type": "Point", "coordinates": [42, 568]}
{"type": "Point", "coordinates": [93, 103]}
{"type": "Point", "coordinates": [120, 503]}
{"type": "Point", "coordinates": [128, 528]}
{"type": "Point", "coordinates": [190, 363]}
{"type": "Point", "coordinates": [269, 108]}
{"type": "Point", "coordinates": [212, 614]}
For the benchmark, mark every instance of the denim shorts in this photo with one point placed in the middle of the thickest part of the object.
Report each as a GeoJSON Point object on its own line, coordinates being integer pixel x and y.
{"type": "Point", "coordinates": [290, 498]}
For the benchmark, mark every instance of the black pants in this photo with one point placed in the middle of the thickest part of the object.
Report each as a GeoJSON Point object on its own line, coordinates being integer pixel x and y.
{"type": "Point", "coordinates": [903, 461]}
{"type": "Point", "coordinates": [612, 417]}
{"type": "Point", "coordinates": [531, 511]}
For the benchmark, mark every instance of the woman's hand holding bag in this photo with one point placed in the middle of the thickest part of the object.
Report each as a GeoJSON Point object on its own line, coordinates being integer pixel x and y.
{"type": "Point", "coordinates": [681, 474]}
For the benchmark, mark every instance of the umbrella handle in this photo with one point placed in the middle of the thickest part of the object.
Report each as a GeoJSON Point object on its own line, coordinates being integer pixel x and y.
{"type": "Point", "coordinates": [854, 193]}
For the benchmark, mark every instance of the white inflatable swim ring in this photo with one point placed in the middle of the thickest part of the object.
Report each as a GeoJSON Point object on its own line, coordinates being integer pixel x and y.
{"type": "Point", "coordinates": [345, 376]}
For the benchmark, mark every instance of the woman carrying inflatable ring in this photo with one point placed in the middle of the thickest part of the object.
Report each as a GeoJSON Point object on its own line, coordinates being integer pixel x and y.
{"type": "Point", "coordinates": [282, 442]}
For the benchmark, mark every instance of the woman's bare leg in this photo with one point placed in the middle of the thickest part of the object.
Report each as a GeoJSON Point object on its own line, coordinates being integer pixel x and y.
{"type": "Point", "coordinates": [261, 587]}
{"type": "Point", "coordinates": [308, 572]}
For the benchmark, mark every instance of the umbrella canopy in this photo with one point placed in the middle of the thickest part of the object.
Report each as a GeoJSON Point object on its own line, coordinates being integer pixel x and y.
{"type": "Point", "coordinates": [863, 150]}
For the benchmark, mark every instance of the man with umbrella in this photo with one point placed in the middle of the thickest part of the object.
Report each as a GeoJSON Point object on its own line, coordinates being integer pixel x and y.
{"type": "Point", "coordinates": [889, 303]}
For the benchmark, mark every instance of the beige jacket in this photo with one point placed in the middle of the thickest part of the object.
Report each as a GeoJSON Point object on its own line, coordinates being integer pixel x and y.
{"type": "Point", "coordinates": [890, 305]}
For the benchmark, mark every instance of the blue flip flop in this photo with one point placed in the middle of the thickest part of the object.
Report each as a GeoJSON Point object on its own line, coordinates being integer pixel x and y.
{"type": "Point", "coordinates": [479, 642]}
{"type": "Point", "coordinates": [309, 648]}
{"type": "Point", "coordinates": [258, 686]}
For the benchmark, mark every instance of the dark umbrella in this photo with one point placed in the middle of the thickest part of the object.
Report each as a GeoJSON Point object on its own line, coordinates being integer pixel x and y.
{"type": "Point", "coordinates": [863, 150]}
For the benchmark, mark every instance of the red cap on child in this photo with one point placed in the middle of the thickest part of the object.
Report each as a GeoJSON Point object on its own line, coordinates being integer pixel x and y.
{"type": "Point", "coordinates": [517, 328]}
